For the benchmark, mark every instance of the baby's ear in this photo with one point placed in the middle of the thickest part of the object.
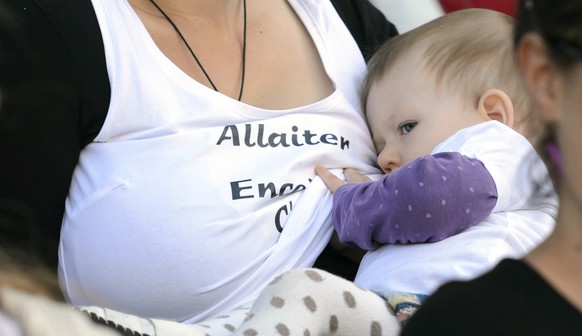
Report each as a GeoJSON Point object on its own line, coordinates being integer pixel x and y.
{"type": "Point", "coordinates": [495, 104]}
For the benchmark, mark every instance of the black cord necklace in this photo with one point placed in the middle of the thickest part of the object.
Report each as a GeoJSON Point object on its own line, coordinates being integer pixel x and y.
{"type": "Point", "coordinates": [244, 51]}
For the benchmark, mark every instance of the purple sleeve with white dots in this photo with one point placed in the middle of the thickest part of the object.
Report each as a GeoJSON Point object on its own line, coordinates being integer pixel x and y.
{"type": "Point", "coordinates": [427, 200]}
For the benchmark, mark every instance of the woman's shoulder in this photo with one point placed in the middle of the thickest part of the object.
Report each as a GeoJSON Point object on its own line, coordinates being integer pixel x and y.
{"type": "Point", "coordinates": [63, 44]}
{"type": "Point", "coordinates": [368, 25]}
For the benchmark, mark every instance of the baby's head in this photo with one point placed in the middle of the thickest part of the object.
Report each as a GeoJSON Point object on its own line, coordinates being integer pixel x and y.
{"type": "Point", "coordinates": [451, 73]}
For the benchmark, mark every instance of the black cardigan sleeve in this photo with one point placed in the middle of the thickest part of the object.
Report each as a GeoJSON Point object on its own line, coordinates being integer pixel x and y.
{"type": "Point", "coordinates": [367, 24]}
{"type": "Point", "coordinates": [49, 112]}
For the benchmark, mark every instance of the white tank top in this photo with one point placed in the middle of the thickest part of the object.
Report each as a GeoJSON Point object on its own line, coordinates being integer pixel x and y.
{"type": "Point", "coordinates": [188, 202]}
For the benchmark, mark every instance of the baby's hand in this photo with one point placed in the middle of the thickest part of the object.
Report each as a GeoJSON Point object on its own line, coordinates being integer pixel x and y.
{"type": "Point", "coordinates": [354, 176]}
{"type": "Point", "coordinates": [333, 182]}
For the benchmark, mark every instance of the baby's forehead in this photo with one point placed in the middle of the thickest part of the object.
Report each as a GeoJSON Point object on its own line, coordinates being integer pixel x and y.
{"type": "Point", "coordinates": [410, 72]}
{"type": "Point", "coordinates": [386, 104]}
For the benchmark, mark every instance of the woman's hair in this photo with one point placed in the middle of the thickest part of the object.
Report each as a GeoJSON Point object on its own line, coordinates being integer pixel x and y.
{"type": "Point", "coordinates": [559, 23]}
{"type": "Point", "coordinates": [28, 275]}
{"type": "Point", "coordinates": [468, 51]}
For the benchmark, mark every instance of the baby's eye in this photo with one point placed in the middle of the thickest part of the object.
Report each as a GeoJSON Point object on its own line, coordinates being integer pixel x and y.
{"type": "Point", "coordinates": [406, 127]}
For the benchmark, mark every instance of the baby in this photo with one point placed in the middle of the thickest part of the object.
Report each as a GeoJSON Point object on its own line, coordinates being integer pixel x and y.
{"type": "Point", "coordinates": [449, 120]}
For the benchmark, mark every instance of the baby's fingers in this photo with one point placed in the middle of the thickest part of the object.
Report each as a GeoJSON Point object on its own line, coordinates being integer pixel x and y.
{"type": "Point", "coordinates": [353, 176]}
{"type": "Point", "coordinates": [331, 181]}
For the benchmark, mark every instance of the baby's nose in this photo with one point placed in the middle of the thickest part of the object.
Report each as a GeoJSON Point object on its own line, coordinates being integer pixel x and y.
{"type": "Point", "coordinates": [389, 160]}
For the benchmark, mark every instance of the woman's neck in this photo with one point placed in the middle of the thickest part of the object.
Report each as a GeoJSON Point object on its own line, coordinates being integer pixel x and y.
{"type": "Point", "coordinates": [559, 258]}
{"type": "Point", "coordinates": [215, 18]}
{"type": "Point", "coordinates": [569, 227]}
{"type": "Point", "coordinates": [195, 10]}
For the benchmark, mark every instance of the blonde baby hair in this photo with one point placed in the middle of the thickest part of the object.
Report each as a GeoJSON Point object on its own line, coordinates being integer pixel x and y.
{"type": "Point", "coordinates": [468, 52]}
